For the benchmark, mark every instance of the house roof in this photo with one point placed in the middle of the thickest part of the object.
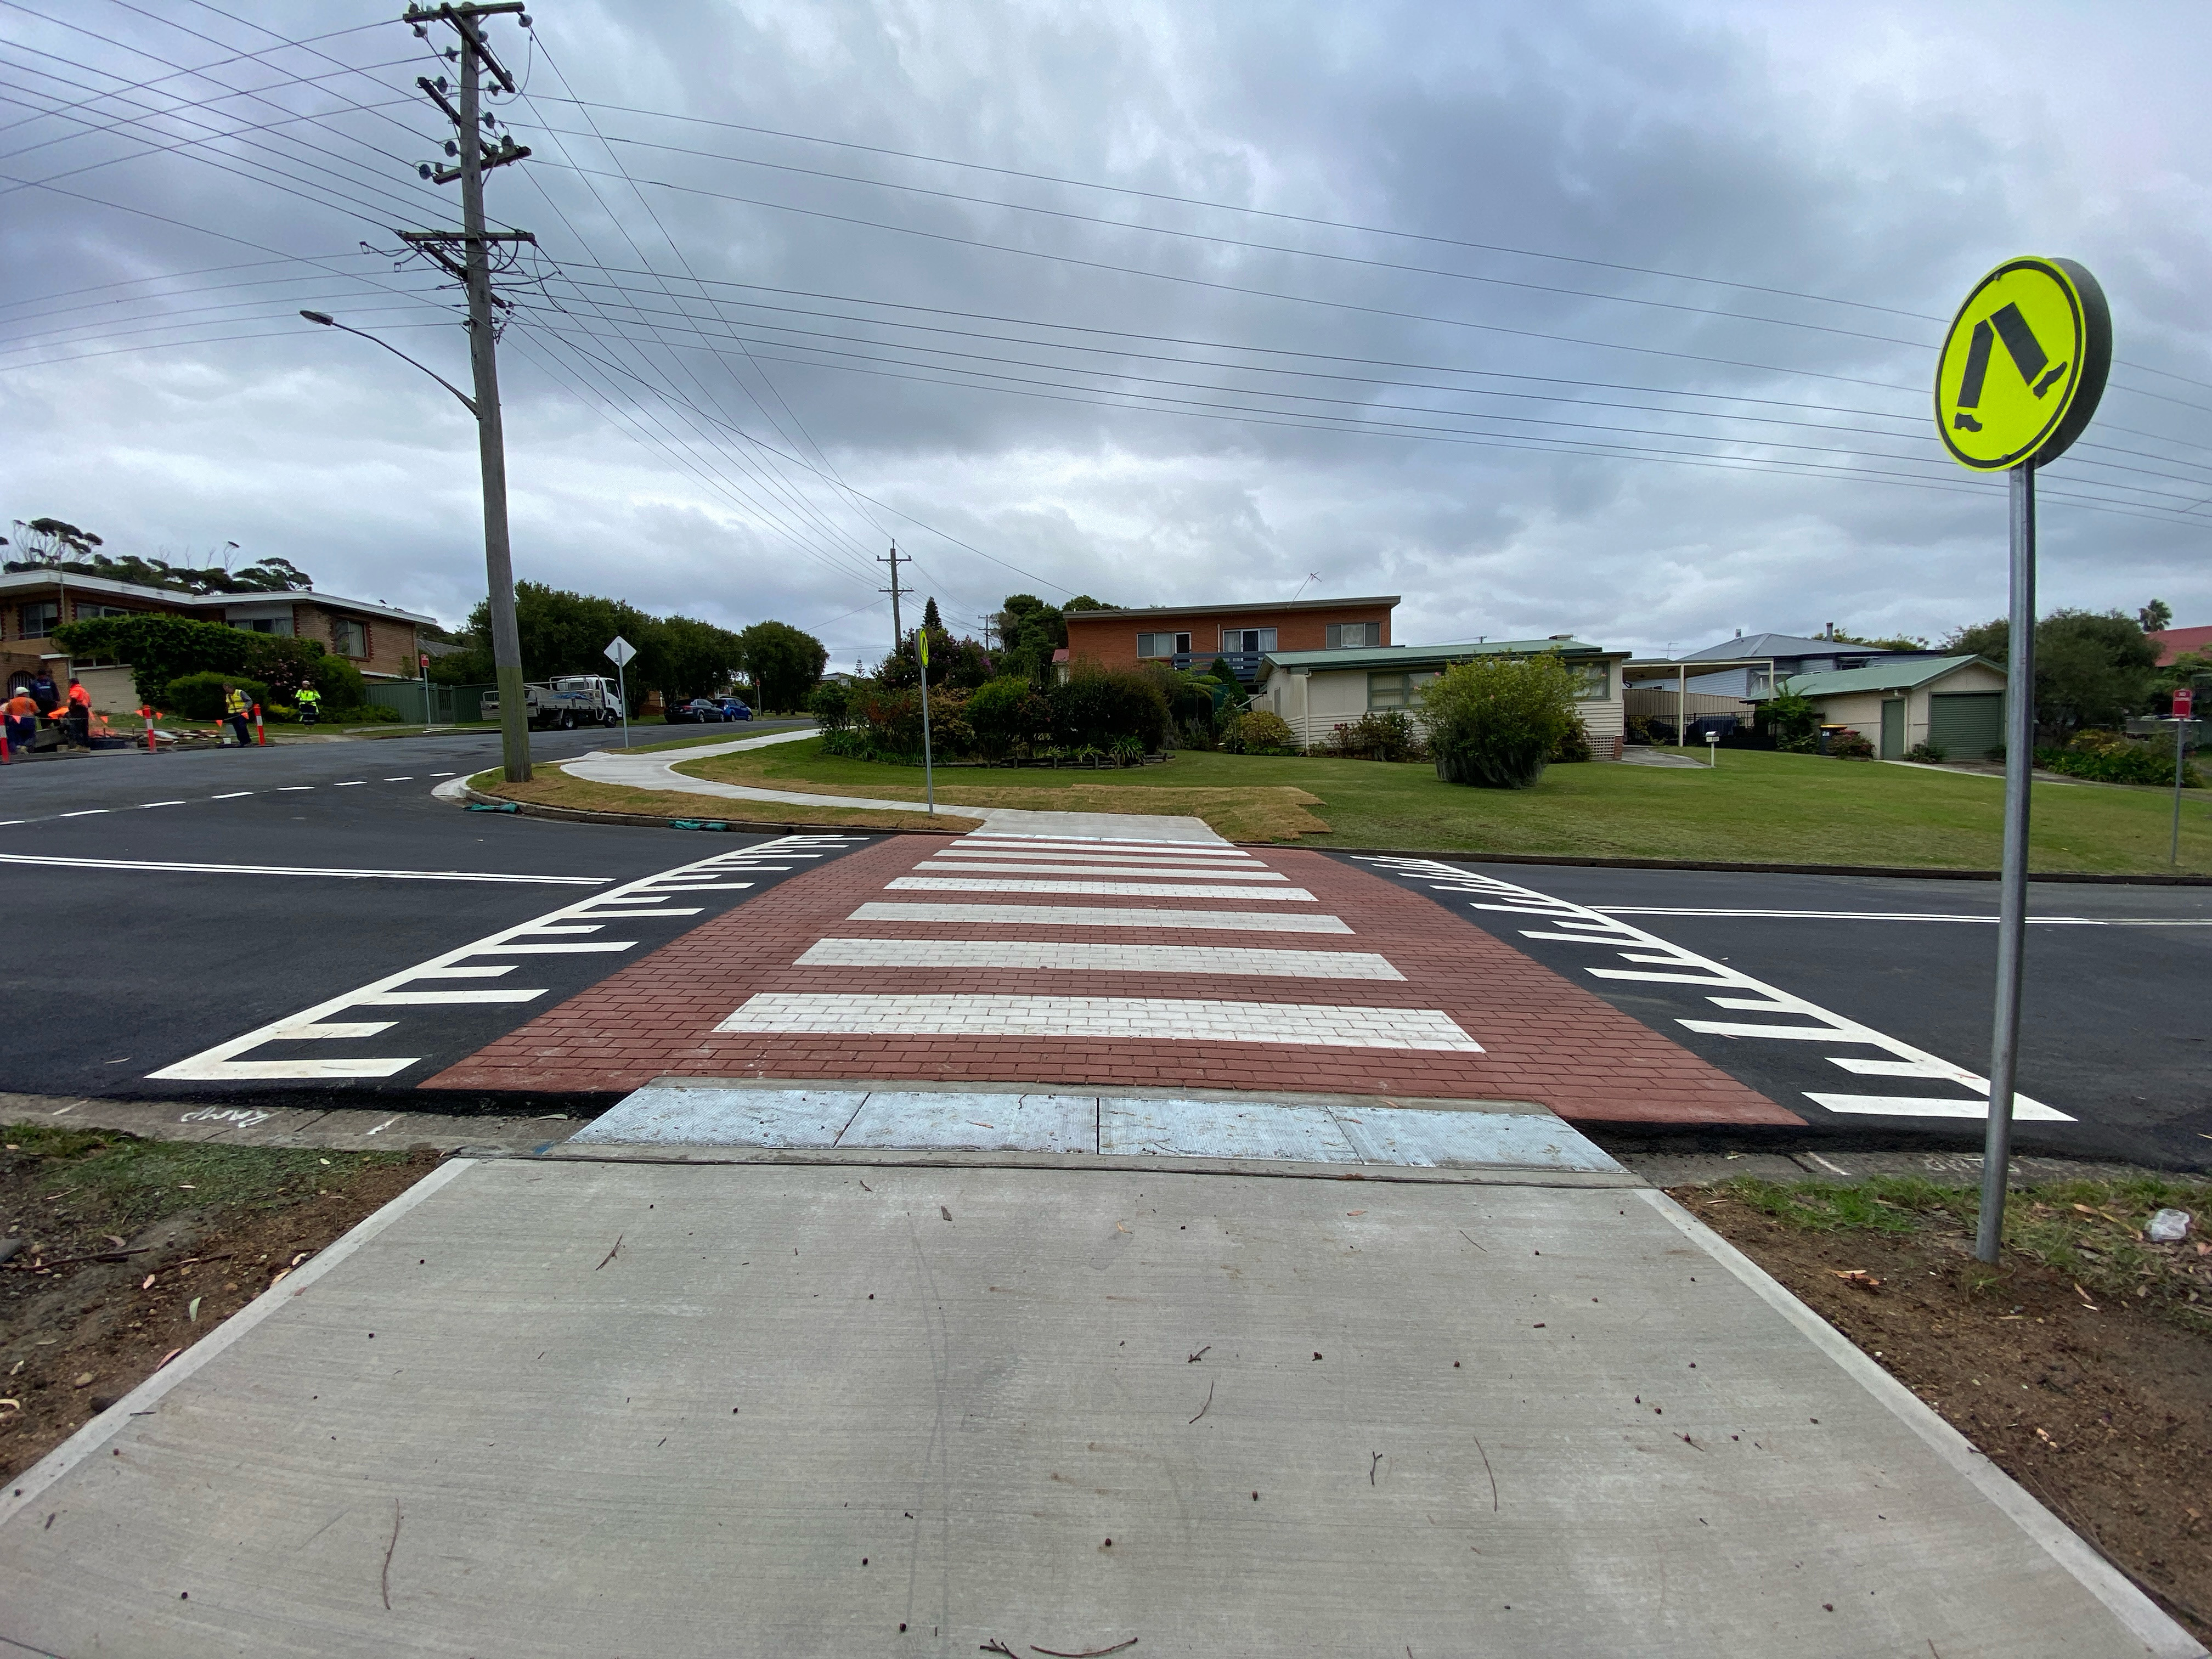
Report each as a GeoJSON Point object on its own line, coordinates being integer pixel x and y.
{"type": "Point", "coordinates": [1780, 645]}
{"type": "Point", "coordinates": [2172, 641]}
{"type": "Point", "coordinates": [1388, 657]}
{"type": "Point", "coordinates": [1239, 608]}
{"type": "Point", "coordinates": [27, 581]}
{"type": "Point", "coordinates": [1907, 676]}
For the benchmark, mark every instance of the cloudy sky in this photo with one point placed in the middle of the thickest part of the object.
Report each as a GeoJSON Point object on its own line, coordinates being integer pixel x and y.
{"type": "Point", "coordinates": [1615, 319]}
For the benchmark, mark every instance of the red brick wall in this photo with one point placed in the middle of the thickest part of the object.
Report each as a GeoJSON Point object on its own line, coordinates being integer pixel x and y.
{"type": "Point", "coordinates": [391, 649]}
{"type": "Point", "coordinates": [1112, 640]}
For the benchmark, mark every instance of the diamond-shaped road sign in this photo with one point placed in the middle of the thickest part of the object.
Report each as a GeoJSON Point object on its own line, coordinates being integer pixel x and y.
{"type": "Point", "coordinates": [620, 652]}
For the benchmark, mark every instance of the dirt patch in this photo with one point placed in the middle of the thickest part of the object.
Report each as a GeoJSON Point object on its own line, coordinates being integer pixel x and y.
{"type": "Point", "coordinates": [183, 1234]}
{"type": "Point", "coordinates": [2094, 1392]}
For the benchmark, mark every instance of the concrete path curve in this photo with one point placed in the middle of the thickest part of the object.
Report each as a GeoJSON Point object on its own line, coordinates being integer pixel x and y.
{"type": "Point", "coordinates": [658, 771]}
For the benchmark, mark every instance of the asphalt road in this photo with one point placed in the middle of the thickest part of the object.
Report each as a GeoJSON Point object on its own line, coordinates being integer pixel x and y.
{"type": "Point", "coordinates": [116, 972]}
{"type": "Point", "coordinates": [2112, 1031]}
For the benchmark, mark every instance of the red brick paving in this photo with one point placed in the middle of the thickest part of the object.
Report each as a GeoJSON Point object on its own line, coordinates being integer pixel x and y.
{"type": "Point", "coordinates": [1545, 1039]}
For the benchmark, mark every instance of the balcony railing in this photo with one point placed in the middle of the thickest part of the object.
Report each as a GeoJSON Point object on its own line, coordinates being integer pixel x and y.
{"type": "Point", "coordinates": [1244, 663]}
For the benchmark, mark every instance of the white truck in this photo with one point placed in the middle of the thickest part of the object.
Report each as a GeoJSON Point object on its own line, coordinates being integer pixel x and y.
{"type": "Point", "coordinates": [566, 703]}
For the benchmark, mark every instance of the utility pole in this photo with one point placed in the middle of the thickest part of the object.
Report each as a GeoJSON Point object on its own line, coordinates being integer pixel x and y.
{"type": "Point", "coordinates": [474, 270]}
{"type": "Point", "coordinates": [899, 631]}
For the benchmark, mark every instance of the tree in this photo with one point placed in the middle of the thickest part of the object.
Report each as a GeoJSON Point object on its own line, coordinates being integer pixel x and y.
{"type": "Point", "coordinates": [2091, 668]}
{"type": "Point", "coordinates": [1496, 720]}
{"type": "Point", "coordinates": [783, 664]}
{"type": "Point", "coordinates": [161, 647]}
{"type": "Point", "coordinates": [2155, 618]}
{"type": "Point", "coordinates": [930, 619]}
{"type": "Point", "coordinates": [1894, 642]}
{"type": "Point", "coordinates": [688, 658]}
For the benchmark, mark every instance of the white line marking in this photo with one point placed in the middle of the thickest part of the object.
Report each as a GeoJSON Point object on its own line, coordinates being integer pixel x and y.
{"type": "Point", "coordinates": [489, 970]}
{"type": "Point", "coordinates": [1102, 888]}
{"type": "Point", "coordinates": [161, 802]}
{"type": "Point", "coordinates": [1070, 916]}
{"type": "Point", "coordinates": [1093, 849]}
{"type": "Point", "coordinates": [574, 946]}
{"type": "Point", "coordinates": [445, 774]}
{"type": "Point", "coordinates": [1092, 958]}
{"type": "Point", "coordinates": [1058, 855]}
{"type": "Point", "coordinates": [64, 862]}
{"type": "Point", "coordinates": [673, 910]}
{"type": "Point", "coordinates": [354, 783]}
{"type": "Point", "coordinates": [1594, 928]}
{"type": "Point", "coordinates": [2023, 1109]}
{"type": "Point", "coordinates": [1901, 915]}
{"type": "Point", "coordinates": [409, 778]}
{"type": "Point", "coordinates": [1122, 1019]}
{"type": "Point", "coordinates": [410, 999]}
{"type": "Point", "coordinates": [292, 788]}
{"type": "Point", "coordinates": [235, 794]}
{"type": "Point", "coordinates": [221, 1064]}
{"type": "Point", "coordinates": [84, 812]}
{"type": "Point", "coordinates": [1152, 873]}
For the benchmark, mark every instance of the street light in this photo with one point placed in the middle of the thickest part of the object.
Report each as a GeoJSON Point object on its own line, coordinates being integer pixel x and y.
{"type": "Point", "coordinates": [514, 710]}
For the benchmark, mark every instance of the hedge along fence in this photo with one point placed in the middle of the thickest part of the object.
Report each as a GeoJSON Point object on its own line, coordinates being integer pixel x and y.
{"type": "Point", "coordinates": [199, 697]}
{"type": "Point", "coordinates": [161, 648]}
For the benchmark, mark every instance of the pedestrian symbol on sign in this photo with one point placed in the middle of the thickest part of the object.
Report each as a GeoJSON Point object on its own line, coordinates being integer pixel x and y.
{"type": "Point", "coordinates": [2024, 364]}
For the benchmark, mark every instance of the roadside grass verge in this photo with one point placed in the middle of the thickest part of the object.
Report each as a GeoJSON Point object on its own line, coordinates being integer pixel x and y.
{"type": "Point", "coordinates": [112, 1179]}
{"type": "Point", "coordinates": [1753, 807]}
{"type": "Point", "coordinates": [2090, 1232]}
{"type": "Point", "coordinates": [554, 787]}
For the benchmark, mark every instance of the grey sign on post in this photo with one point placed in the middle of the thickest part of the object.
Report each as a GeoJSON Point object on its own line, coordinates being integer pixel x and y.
{"type": "Point", "coordinates": [619, 654]}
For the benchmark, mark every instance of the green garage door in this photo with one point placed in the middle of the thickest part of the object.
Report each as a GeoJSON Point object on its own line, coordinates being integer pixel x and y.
{"type": "Point", "coordinates": [1966, 725]}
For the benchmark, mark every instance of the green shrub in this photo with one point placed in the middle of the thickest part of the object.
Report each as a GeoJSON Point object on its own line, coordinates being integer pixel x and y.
{"type": "Point", "coordinates": [2107, 757]}
{"type": "Point", "coordinates": [1495, 721]}
{"type": "Point", "coordinates": [1849, 745]}
{"type": "Point", "coordinates": [1805, 743]}
{"type": "Point", "coordinates": [199, 697]}
{"type": "Point", "coordinates": [831, 705]}
{"type": "Point", "coordinates": [1007, 715]}
{"type": "Point", "coordinates": [161, 648]}
{"type": "Point", "coordinates": [1574, 746]}
{"type": "Point", "coordinates": [1930, 754]}
{"type": "Point", "coordinates": [1093, 706]}
{"type": "Point", "coordinates": [1383, 735]}
{"type": "Point", "coordinates": [1787, 716]}
{"type": "Point", "coordinates": [1260, 732]}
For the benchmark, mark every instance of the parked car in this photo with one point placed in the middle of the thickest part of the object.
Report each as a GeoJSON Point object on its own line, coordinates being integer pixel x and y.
{"type": "Point", "coordinates": [700, 711]}
{"type": "Point", "coordinates": [734, 710]}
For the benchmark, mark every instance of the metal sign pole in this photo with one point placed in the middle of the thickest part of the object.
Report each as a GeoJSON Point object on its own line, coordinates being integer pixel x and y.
{"type": "Point", "coordinates": [2012, 894]}
{"type": "Point", "coordinates": [2185, 703]}
{"type": "Point", "coordinates": [621, 694]}
{"type": "Point", "coordinates": [928, 775]}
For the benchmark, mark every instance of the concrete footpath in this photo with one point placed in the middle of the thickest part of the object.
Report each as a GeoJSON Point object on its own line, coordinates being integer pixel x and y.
{"type": "Point", "coordinates": [616, 1402]}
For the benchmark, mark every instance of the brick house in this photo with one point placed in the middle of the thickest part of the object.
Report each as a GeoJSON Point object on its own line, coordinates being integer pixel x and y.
{"type": "Point", "coordinates": [1192, 635]}
{"type": "Point", "coordinates": [379, 639]}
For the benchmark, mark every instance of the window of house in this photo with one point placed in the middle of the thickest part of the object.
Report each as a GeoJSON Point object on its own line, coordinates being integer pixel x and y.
{"type": "Point", "coordinates": [265, 625]}
{"type": "Point", "coordinates": [348, 638]}
{"type": "Point", "coordinates": [1163, 645]}
{"type": "Point", "coordinates": [1593, 681]}
{"type": "Point", "coordinates": [1397, 691]}
{"type": "Point", "coordinates": [1247, 639]}
{"type": "Point", "coordinates": [1342, 636]}
{"type": "Point", "coordinates": [41, 619]}
{"type": "Point", "coordinates": [87, 612]}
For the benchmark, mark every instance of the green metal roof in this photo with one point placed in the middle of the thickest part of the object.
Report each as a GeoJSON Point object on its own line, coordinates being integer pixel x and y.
{"type": "Point", "coordinates": [1388, 657]}
{"type": "Point", "coordinates": [1906, 675]}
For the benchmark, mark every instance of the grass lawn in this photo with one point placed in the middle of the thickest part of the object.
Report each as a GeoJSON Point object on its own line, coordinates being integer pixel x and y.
{"type": "Point", "coordinates": [1754, 806]}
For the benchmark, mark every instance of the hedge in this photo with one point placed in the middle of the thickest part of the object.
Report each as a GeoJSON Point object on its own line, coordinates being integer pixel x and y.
{"type": "Point", "coordinates": [161, 647]}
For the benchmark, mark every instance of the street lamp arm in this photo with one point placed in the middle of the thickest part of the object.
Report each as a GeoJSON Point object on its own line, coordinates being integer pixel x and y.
{"type": "Point", "coordinates": [329, 321]}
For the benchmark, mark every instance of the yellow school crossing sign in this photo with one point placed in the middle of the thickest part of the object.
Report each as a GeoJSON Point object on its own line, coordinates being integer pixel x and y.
{"type": "Point", "coordinates": [2023, 365]}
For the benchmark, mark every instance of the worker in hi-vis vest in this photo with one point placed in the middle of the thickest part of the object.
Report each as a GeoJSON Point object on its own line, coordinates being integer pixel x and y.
{"type": "Point", "coordinates": [311, 705]}
{"type": "Point", "coordinates": [235, 706]}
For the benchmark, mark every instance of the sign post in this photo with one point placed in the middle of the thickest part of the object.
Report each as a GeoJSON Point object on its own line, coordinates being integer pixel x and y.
{"type": "Point", "coordinates": [2021, 371]}
{"type": "Point", "coordinates": [1712, 746]}
{"type": "Point", "coordinates": [2185, 704]}
{"type": "Point", "coordinates": [928, 779]}
{"type": "Point", "coordinates": [619, 654]}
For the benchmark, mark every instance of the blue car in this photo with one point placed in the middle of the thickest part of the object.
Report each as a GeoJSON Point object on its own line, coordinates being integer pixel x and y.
{"type": "Point", "coordinates": [734, 710]}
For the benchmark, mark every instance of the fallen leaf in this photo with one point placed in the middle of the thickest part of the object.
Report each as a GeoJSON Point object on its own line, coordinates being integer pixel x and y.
{"type": "Point", "coordinates": [12, 1405]}
{"type": "Point", "coordinates": [82, 1380]}
{"type": "Point", "coordinates": [168, 1357]}
{"type": "Point", "coordinates": [193, 1311]}
{"type": "Point", "coordinates": [147, 1283]}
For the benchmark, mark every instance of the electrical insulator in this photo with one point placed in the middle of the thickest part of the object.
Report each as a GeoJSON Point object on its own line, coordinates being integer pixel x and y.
{"type": "Point", "coordinates": [422, 167]}
{"type": "Point", "coordinates": [452, 149]}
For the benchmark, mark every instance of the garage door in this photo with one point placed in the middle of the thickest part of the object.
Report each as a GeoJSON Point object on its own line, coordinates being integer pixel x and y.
{"type": "Point", "coordinates": [1966, 725]}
